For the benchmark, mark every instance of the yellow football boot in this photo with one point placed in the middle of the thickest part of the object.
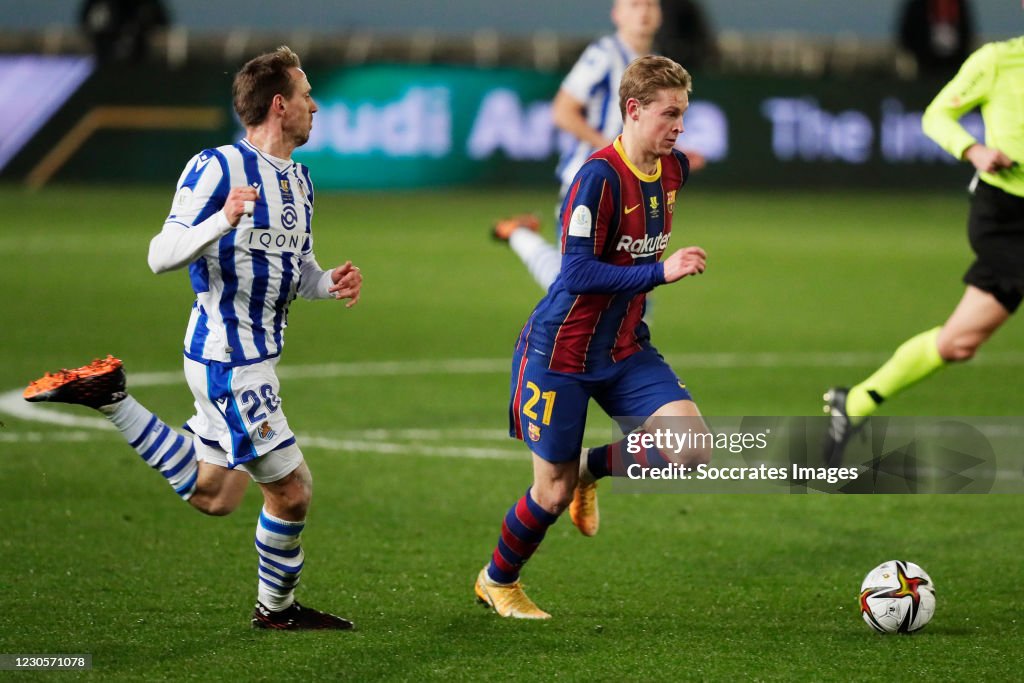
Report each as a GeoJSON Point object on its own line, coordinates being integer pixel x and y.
{"type": "Point", "coordinates": [583, 509]}
{"type": "Point", "coordinates": [507, 600]}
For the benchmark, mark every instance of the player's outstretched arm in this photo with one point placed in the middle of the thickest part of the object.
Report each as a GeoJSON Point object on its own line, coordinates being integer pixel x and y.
{"type": "Point", "coordinates": [348, 283]}
{"type": "Point", "coordinates": [686, 261]}
{"type": "Point", "coordinates": [585, 274]}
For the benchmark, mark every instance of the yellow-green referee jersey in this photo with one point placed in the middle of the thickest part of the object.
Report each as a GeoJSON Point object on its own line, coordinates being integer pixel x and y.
{"type": "Point", "coordinates": [992, 78]}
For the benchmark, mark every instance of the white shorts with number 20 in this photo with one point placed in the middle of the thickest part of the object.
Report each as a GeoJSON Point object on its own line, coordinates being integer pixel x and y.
{"type": "Point", "coordinates": [238, 411]}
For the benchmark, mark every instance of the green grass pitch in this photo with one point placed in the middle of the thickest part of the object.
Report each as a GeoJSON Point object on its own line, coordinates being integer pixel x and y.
{"type": "Point", "coordinates": [400, 405]}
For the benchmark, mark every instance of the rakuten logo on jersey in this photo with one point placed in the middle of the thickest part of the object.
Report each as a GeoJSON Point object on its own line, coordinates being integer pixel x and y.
{"type": "Point", "coordinates": [639, 248]}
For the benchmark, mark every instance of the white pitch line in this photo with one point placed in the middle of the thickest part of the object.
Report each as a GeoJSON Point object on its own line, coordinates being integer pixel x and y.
{"type": "Point", "coordinates": [40, 437]}
{"type": "Point", "coordinates": [383, 447]}
{"type": "Point", "coordinates": [380, 441]}
{"type": "Point", "coordinates": [430, 434]}
{"type": "Point", "coordinates": [364, 442]}
{"type": "Point", "coordinates": [467, 366]}
{"type": "Point", "coordinates": [12, 403]}
{"type": "Point", "coordinates": [391, 448]}
{"type": "Point", "coordinates": [815, 359]}
{"type": "Point", "coordinates": [484, 366]}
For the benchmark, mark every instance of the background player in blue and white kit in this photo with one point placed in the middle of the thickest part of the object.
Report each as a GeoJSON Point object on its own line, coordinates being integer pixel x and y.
{"type": "Point", "coordinates": [241, 222]}
{"type": "Point", "coordinates": [587, 339]}
{"type": "Point", "coordinates": [587, 108]}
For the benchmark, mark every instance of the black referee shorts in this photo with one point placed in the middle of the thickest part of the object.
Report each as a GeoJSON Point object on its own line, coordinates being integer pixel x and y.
{"type": "Point", "coordinates": [996, 232]}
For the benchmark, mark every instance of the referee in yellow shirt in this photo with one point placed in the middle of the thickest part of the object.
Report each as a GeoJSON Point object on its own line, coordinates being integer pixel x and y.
{"type": "Point", "coordinates": [993, 79]}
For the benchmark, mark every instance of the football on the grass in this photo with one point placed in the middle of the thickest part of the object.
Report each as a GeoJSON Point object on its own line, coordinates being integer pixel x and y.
{"type": "Point", "coordinates": [897, 597]}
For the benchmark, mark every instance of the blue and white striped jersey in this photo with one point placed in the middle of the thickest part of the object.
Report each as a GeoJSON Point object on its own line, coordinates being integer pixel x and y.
{"type": "Point", "coordinates": [244, 278]}
{"type": "Point", "coordinates": [594, 80]}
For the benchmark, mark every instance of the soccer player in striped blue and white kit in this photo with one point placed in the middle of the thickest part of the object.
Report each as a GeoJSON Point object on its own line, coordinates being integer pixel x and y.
{"type": "Point", "coordinates": [586, 339]}
{"type": "Point", "coordinates": [587, 108]}
{"type": "Point", "coordinates": [241, 222]}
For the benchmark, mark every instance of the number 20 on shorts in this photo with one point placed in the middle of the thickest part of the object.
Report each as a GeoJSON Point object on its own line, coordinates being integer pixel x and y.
{"type": "Point", "coordinates": [535, 396]}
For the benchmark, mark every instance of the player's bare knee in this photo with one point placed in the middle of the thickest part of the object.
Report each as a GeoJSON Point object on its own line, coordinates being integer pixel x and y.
{"type": "Point", "coordinates": [291, 504]}
{"type": "Point", "coordinates": [690, 448]}
{"type": "Point", "coordinates": [304, 478]}
{"type": "Point", "coordinates": [219, 491]}
{"type": "Point", "coordinates": [958, 348]}
{"type": "Point", "coordinates": [215, 502]}
{"type": "Point", "coordinates": [289, 498]}
{"type": "Point", "coordinates": [214, 507]}
{"type": "Point", "coordinates": [559, 504]}
{"type": "Point", "coordinates": [554, 498]}
{"type": "Point", "coordinates": [294, 502]}
{"type": "Point", "coordinates": [219, 509]}
{"type": "Point", "coordinates": [963, 353]}
{"type": "Point", "coordinates": [699, 454]}
{"type": "Point", "coordinates": [303, 487]}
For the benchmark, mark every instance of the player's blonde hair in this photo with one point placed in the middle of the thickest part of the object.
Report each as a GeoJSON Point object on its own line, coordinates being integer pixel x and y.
{"type": "Point", "coordinates": [259, 80]}
{"type": "Point", "coordinates": [645, 76]}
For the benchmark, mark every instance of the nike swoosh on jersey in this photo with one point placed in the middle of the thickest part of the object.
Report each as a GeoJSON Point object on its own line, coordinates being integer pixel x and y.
{"type": "Point", "coordinates": [631, 209]}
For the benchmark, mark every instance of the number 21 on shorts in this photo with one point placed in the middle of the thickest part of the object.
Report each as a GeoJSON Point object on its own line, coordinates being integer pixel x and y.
{"type": "Point", "coordinates": [536, 396]}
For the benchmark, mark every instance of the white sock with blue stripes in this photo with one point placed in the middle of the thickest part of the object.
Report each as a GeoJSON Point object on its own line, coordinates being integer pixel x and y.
{"type": "Point", "coordinates": [542, 259]}
{"type": "Point", "coordinates": [163, 449]}
{"type": "Point", "coordinates": [281, 559]}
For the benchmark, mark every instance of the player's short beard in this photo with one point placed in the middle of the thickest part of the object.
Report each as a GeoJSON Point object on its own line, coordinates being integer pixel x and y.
{"type": "Point", "coordinates": [302, 137]}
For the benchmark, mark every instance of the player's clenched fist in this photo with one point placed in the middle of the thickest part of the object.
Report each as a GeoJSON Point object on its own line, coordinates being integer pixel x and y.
{"type": "Point", "coordinates": [686, 261]}
{"type": "Point", "coordinates": [348, 282]}
{"type": "Point", "coordinates": [241, 200]}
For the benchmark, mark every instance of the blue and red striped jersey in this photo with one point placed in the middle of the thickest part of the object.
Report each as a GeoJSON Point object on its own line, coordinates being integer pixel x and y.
{"type": "Point", "coordinates": [616, 222]}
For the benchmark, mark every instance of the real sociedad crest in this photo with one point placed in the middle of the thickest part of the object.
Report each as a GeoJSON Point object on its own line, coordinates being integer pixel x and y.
{"type": "Point", "coordinates": [265, 431]}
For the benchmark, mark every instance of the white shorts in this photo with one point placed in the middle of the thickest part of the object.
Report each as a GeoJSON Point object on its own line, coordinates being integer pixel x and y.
{"type": "Point", "coordinates": [266, 469]}
{"type": "Point", "coordinates": [238, 410]}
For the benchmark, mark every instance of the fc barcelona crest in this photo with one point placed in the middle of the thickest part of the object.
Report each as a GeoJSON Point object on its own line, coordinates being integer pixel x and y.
{"type": "Point", "coordinates": [534, 432]}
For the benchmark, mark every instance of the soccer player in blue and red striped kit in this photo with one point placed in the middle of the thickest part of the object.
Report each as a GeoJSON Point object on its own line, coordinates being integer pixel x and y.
{"type": "Point", "coordinates": [587, 338]}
